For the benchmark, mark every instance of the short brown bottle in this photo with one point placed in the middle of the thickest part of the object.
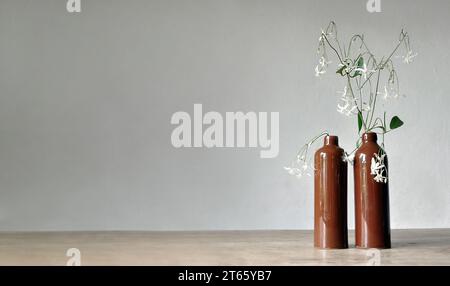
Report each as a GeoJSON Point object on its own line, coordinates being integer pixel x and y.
{"type": "Point", "coordinates": [372, 224]}
{"type": "Point", "coordinates": [330, 196]}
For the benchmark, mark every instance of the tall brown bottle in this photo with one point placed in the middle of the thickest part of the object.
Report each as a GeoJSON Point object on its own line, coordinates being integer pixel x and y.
{"type": "Point", "coordinates": [372, 225]}
{"type": "Point", "coordinates": [330, 196]}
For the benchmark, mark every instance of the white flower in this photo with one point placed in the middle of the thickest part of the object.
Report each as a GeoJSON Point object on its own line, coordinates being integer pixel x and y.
{"type": "Point", "coordinates": [346, 70]}
{"type": "Point", "coordinates": [290, 170]}
{"type": "Point", "coordinates": [322, 36]}
{"type": "Point", "coordinates": [346, 67]}
{"type": "Point", "coordinates": [347, 107]}
{"type": "Point", "coordinates": [321, 68]}
{"type": "Point", "coordinates": [323, 61]}
{"type": "Point", "coordinates": [300, 171]}
{"type": "Point", "coordinates": [349, 158]}
{"type": "Point", "coordinates": [378, 168]}
{"type": "Point", "coordinates": [300, 168]}
{"type": "Point", "coordinates": [374, 167]}
{"type": "Point", "coordinates": [385, 93]}
{"type": "Point", "coordinates": [344, 92]}
{"type": "Point", "coordinates": [379, 178]}
{"type": "Point", "coordinates": [409, 57]}
{"type": "Point", "coordinates": [319, 71]}
{"type": "Point", "coordinates": [389, 92]}
{"type": "Point", "coordinates": [305, 166]}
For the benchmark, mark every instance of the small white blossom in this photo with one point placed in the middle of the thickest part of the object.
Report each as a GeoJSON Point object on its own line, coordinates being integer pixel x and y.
{"type": "Point", "coordinates": [321, 68]}
{"type": "Point", "coordinates": [385, 93]}
{"type": "Point", "coordinates": [320, 71]}
{"type": "Point", "coordinates": [389, 93]}
{"type": "Point", "coordinates": [305, 166]}
{"type": "Point", "coordinates": [299, 171]}
{"type": "Point", "coordinates": [323, 61]}
{"type": "Point", "coordinates": [348, 106]}
{"type": "Point", "coordinates": [344, 92]}
{"type": "Point", "coordinates": [348, 69]}
{"type": "Point", "coordinates": [290, 170]}
{"type": "Point", "coordinates": [378, 168]}
{"type": "Point", "coordinates": [322, 36]}
{"type": "Point", "coordinates": [409, 57]}
{"type": "Point", "coordinates": [349, 158]}
{"type": "Point", "coordinates": [379, 178]}
{"type": "Point", "coordinates": [300, 166]}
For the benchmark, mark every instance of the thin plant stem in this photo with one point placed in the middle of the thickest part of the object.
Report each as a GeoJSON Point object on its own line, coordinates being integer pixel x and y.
{"type": "Point", "coordinates": [375, 98]}
{"type": "Point", "coordinates": [354, 99]}
{"type": "Point", "coordinates": [383, 64]}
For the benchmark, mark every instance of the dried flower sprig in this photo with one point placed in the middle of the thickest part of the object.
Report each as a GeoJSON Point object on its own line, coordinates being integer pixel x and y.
{"type": "Point", "coordinates": [302, 164]}
{"type": "Point", "coordinates": [358, 68]}
{"type": "Point", "coordinates": [363, 72]}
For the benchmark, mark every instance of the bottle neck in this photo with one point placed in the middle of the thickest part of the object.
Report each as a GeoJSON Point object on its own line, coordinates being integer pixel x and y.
{"type": "Point", "coordinates": [331, 140]}
{"type": "Point", "coordinates": [369, 137]}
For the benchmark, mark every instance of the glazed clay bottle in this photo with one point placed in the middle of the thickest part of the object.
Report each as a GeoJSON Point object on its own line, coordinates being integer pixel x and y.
{"type": "Point", "coordinates": [372, 226]}
{"type": "Point", "coordinates": [330, 196]}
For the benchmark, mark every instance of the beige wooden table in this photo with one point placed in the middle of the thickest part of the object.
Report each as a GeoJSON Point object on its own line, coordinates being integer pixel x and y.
{"type": "Point", "coordinates": [410, 247]}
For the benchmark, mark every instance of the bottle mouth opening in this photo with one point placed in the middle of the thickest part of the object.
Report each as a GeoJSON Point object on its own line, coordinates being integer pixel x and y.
{"type": "Point", "coordinates": [331, 140]}
{"type": "Point", "coordinates": [369, 137]}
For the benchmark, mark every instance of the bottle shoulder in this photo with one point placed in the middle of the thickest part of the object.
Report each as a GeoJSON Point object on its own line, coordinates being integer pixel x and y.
{"type": "Point", "coordinates": [329, 149]}
{"type": "Point", "coordinates": [367, 149]}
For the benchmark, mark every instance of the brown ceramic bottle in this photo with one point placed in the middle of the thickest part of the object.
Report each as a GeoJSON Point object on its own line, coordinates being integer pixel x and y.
{"type": "Point", "coordinates": [330, 196]}
{"type": "Point", "coordinates": [372, 226]}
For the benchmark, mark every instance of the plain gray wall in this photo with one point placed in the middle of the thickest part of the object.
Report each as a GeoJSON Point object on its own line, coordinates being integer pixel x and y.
{"type": "Point", "coordinates": [86, 101]}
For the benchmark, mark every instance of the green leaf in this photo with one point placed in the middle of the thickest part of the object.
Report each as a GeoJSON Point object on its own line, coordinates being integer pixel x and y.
{"type": "Point", "coordinates": [360, 65]}
{"type": "Point", "coordinates": [341, 70]}
{"type": "Point", "coordinates": [360, 121]}
{"type": "Point", "coordinates": [396, 122]}
{"type": "Point", "coordinates": [360, 62]}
